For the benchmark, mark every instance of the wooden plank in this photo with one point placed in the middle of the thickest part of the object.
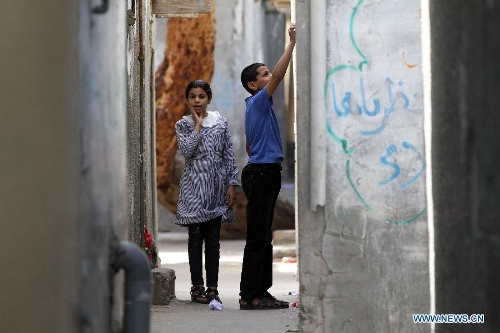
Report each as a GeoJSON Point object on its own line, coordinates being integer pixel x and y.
{"type": "Point", "coordinates": [180, 8]}
{"type": "Point", "coordinates": [176, 15]}
{"type": "Point", "coordinates": [283, 6]}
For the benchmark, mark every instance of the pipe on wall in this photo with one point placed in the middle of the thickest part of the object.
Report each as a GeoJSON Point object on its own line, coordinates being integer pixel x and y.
{"type": "Point", "coordinates": [318, 110]}
{"type": "Point", "coordinates": [138, 283]}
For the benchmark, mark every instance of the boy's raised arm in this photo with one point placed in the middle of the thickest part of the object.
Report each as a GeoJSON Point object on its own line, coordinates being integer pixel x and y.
{"type": "Point", "coordinates": [282, 65]}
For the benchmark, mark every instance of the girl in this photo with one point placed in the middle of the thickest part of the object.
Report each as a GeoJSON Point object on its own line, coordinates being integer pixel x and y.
{"type": "Point", "coordinates": [207, 186]}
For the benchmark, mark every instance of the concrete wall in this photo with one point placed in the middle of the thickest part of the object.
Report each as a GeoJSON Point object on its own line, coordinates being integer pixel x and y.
{"type": "Point", "coordinates": [63, 174]}
{"type": "Point", "coordinates": [363, 235]}
{"type": "Point", "coordinates": [141, 155]}
{"type": "Point", "coordinates": [464, 107]}
{"type": "Point", "coordinates": [39, 167]}
{"type": "Point", "coordinates": [102, 186]}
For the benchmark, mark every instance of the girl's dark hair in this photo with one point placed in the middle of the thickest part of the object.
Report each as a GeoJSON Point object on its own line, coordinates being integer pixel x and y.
{"type": "Point", "coordinates": [199, 84]}
{"type": "Point", "coordinates": [249, 74]}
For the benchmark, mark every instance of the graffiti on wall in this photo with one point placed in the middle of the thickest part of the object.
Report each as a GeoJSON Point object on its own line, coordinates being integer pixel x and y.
{"type": "Point", "coordinates": [376, 116]}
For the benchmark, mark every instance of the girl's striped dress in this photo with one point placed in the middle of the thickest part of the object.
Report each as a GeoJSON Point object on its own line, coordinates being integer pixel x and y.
{"type": "Point", "coordinates": [209, 168]}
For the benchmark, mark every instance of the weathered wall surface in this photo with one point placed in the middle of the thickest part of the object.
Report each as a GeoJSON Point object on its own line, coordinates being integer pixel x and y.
{"type": "Point", "coordinates": [373, 96]}
{"type": "Point", "coordinates": [141, 155]}
{"type": "Point", "coordinates": [103, 168]}
{"type": "Point", "coordinates": [363, 246]}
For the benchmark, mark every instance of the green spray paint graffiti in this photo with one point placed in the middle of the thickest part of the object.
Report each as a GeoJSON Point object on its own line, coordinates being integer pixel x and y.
{"type": "Point", "coordinates": [342, 141]}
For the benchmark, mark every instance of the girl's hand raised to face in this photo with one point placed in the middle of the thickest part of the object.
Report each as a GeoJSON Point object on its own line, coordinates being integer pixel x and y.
{"type": "Point", "coordinates": [196, 118]}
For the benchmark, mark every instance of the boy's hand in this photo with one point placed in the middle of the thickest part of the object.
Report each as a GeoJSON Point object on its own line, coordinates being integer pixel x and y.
{"type": "Point", "coordinates": [280, 68]}
{"type": "Point", "coordinates": [291, 32]}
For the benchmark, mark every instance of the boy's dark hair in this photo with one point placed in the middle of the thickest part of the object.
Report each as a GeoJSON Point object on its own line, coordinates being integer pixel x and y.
{"type": "Point", "coordinates": [249, 74]}
{"type": "Point", "coordinates": [199, 84]}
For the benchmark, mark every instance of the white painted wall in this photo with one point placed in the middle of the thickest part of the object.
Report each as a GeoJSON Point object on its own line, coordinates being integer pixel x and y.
{"type": "Point", "coordinates": [363, 255]}
{"type": "Point", "coordinates": [374, 109]}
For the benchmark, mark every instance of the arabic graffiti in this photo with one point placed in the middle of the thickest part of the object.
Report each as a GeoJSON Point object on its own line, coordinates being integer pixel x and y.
{"type": "Point", "coordinates": [379, 104]}
{"type": "Point", "coordinates": [392, 150]}
{"type": "Point", "coordinates": [345, 103]}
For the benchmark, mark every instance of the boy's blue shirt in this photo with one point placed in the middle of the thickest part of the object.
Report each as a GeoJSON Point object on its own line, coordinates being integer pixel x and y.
{"type": "Point", "coordinates": [261, 129]}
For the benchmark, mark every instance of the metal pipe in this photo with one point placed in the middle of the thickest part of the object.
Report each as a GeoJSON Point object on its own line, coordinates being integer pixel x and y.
{"type": "Point", "coordinates": [138, 283]}
{"type": "Point", "coordinates": [142, 120]}
{"type": "Point", "coordinates": [318, 111]}
{"type": "Point", "coordinates": [102, 8]}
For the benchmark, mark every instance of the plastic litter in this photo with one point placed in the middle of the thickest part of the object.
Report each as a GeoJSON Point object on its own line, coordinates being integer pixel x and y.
{"type": "Point", "coordinates": [293, 293]}
{"type": "Point", "coordinates": [289, 260]}
{"type": "Point", "coordinates": [296, 304]}
{"type": "Point", "coordinates": [214, 305]}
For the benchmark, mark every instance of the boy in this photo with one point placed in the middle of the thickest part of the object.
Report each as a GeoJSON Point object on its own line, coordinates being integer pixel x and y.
{"type": "Point", "coordinates": [261, 180]}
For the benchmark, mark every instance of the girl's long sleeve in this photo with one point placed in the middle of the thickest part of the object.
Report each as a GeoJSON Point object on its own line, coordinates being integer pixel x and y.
{"type": "Point", "coordinates": [187, 138]}
{"type": "Point", "coordinates": [230, 164]}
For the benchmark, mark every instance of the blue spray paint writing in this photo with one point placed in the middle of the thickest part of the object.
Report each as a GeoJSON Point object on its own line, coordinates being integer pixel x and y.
{"type": "Point", "coordinates": [392, 150]}
{"type": "Point", "coordinates": [346, 108]}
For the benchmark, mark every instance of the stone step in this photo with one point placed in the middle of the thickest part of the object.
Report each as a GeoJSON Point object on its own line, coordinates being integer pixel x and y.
{"type": "Point", "coordinates": [281, 251]}
{"type": "Point", "coordinates": [284, 244]}
{"type": "Point", "coordinates": [281, 237]}
{"type": "Point", "coordinates": [163, 285]}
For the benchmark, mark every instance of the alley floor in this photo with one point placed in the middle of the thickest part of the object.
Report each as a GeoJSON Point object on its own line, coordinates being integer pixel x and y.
{"type": "Point", "coordinates": [183, 316]}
